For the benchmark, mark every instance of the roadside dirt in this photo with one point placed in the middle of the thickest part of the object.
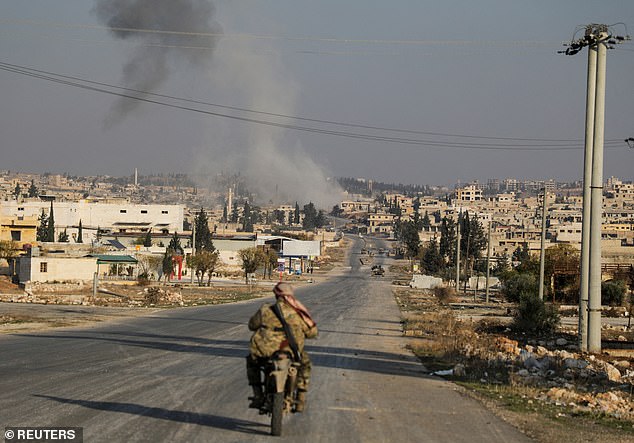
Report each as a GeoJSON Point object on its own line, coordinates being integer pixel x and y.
{"type": "Point", "coordinates": [443, 341]}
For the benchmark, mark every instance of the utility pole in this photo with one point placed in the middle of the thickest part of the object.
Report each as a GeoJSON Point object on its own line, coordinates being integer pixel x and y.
{"type": "Point", "coordinates": [458, 252]}
{"type": "Point", "coordinates": [486, 285]}
{"type": "Point", "coordinates": [598, 38]}
{"type": "Point", "coordinates": [191, 269]}
{"type": "Point", "coordinates": [587, 177]}
{"type": "Point", "coordinates": [596, 202]}
{"type": "Point", "coordinates": [542, 250]}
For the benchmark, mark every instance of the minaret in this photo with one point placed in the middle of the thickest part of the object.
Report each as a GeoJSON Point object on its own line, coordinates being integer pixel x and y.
{"type": "Point", "coordinates": [136, 177]}
{"type": "Point", "coordinates": [229, 201]}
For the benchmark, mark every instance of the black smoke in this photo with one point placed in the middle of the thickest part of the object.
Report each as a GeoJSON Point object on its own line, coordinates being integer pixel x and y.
{"type": "Point", "coordinates": [169, 32]}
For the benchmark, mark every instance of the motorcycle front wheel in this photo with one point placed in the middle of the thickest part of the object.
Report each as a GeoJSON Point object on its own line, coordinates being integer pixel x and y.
{"type": "Point", "coordinates": [277, 411]}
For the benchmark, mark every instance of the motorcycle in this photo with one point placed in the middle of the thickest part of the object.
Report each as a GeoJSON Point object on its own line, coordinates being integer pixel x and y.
{"type": "Point", "coordinates": [280, 388]}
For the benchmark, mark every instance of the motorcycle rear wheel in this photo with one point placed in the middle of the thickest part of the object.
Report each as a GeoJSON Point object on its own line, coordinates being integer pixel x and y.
{"type": "Point", "coordinates": [277, 412]}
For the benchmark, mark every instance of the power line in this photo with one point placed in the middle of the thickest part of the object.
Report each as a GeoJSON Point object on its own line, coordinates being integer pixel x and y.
{"type": "Point", "coordinates": [330, 122]}
{"type": "Point", "coordinates": [41, 23]}
{"type": "Point", "coordinates": [76, 82]}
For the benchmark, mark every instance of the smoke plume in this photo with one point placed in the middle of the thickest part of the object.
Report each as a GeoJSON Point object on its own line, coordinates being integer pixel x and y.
{"type": "Point", "coordinates": [273, 161]}
{"type": "Point", "coordinates": [164, 28]}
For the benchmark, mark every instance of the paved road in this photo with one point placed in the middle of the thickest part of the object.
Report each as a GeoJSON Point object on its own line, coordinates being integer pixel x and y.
{"type": "Point", "coordinates": [178, 375]}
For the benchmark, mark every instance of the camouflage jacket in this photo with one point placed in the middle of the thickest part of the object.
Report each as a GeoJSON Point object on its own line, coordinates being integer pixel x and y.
{"type": "Point", "coordinates": [269, 335]}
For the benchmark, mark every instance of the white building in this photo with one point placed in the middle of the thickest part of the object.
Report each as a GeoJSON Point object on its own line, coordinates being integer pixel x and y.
{"type": "Point", "coordinates": [113, 217]}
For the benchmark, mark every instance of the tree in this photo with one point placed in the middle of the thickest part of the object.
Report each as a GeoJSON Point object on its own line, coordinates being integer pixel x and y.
{"type": "Point", "coordinates": [296, 214]}
{"type": "Point", "coordinates": [8, 249]}
{"type": "Point", "coordinates": [167, 264]}
{"type": "Point", "coordinates": [50, 226]}
{"type": "Point", "coordinates": [17, 192]}
{"type": "Point", "coordinates": [147, 241]}
{"type": "Point", "coordinates": [63, 237]}
{"type": "Point", "coordinates": [336, 211]}
{"type": "Point", "coordinates": [203, 263]}
{"type": "Point", "coordinates": [80, 233]}
{"type": "Point", "coordinates": [431, 261]}
{"type": "Point", "coordinates": [148, 264]}
{"type": "Point", "coordinates": [517, 285]}
{"type": "Point", "coordinates": [310, 217]}
{"type": "Point", "coordinates": [42, 228]}
{"type": "Point", "coordinates": [447, 246]}
{"type": "Point", "coordinates": [234, 213]}
{"type": "Point", "coordinates": [247, 218]}
{"type": "Point", "coordinates": [426, 222]}
{"type": "Point", "coordinates": [270, 261]}
{"type": "Point", "coordinates": [224, 214]}
{"type": "Point", "coordinates": [410, 238]}
{"type": "Point", "coordinates": [613, 292]}
{"type": "Point", "coordinates": [251, 258]}
{"type": "Point", "coordinates": [175, 245]}
{"type": "Point", "coordinates": [33, 191]}
{"type": "Point", "coordinates": [203, 234]}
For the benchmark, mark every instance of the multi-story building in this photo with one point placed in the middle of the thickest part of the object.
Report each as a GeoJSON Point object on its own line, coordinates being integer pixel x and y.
{"type": "Point", "coordinates": [116, 217]}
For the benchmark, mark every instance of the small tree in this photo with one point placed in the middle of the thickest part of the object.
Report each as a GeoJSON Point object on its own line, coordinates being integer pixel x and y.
{"type": "Point", "coordinates": [80, 233]}
{"type": "Point", "coordinates": [42, 229]}
{"type": "Point", "coordinates": [203, 263]}
{"type": "Point", "coordinates": [533, 315]}
{"type": "Point", "coordinates": [33, 191]}
{"type": "Point", "coordinates": [148, 264]}
{"type": "Point", "coordinates": [8, 250]}
{"type": "Point", "coordinates": [50, 226]}
{"type": "Point", "coordinates": [167, 264]}
{"type": "Point", "coordinates": [147, 241]}
{"type": "Point", "coordinates": [17, 192]}
{"type": "Point", "coordinates": [251, 258]}
{"type": "Point", "coordinates": [63, 237]}
{"type": "Point", "coordinates": [613, 292]}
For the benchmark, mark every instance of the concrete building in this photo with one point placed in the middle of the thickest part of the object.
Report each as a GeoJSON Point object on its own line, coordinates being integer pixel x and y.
{"type": "Point", "coordinates": [116, 217]}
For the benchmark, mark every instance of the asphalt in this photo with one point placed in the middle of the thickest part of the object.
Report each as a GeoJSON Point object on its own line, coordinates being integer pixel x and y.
{"type": "Point", "coordinates": [179, 376]}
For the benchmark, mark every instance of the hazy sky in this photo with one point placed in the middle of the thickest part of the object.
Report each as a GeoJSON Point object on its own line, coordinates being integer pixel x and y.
{"type": "Point", "coordinates": [486, 68]}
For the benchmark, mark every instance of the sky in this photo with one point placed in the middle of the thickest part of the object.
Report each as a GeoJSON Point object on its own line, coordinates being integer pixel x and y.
{"type": "Point", "coordinates": [453, 77]}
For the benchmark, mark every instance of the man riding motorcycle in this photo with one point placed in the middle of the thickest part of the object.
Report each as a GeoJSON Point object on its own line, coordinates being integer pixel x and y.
{"type": "Point", "coordinates": [269, 337]}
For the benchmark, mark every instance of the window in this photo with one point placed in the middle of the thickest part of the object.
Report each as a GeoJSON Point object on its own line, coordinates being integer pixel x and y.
{"type": "Point", "coordinates": [143, 211]}
{"type": "Point", "coordinates": [43, 266]}
{"type": "Point", "coordinates": [164, 212]}
{"type": "Point", "coordinates": [16, 235]}
{"type": "Point", "coordinates": [20, 209]}
{"type": "Point", "coordinates": [123, 211]}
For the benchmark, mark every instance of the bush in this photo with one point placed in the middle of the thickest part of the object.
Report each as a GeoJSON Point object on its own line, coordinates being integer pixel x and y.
{"type": "Point", "coordinates": [613, 292]}
{"type": "Point", "coordinates": [533, 315]}
{"type": "Point", "coordinates": [517, 285]}
{"type": "Point", "coordinates": [444, 294]}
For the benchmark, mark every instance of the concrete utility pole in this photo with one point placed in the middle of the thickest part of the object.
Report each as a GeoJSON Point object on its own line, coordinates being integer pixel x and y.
{"type": "Point", "coordinates": [486, 292]}
{"type": "Point", "coordinates": [542, 251]}
{"type": "Point", "coordinates": [587, 177]}
{"type": "Point", "coordinates": [458, 252]}
{"type": "Point", "coordinates": [191, 269]}
{"type": "Point", "coordinates": [596, 202]}
{"type": "Point", "coordinates": [597, 38]}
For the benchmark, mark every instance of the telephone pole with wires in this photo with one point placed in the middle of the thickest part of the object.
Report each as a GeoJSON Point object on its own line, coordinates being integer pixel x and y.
{"type": "Point", "coordinates": [598, 38]}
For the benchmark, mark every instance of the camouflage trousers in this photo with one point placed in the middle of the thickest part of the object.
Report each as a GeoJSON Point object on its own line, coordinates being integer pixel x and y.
{"type": "Point", "coordinates": [255, 364]}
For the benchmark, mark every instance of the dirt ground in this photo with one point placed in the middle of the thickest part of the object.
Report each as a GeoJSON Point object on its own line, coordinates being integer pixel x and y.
{"type": "Point", "coordinates": [439, 336]}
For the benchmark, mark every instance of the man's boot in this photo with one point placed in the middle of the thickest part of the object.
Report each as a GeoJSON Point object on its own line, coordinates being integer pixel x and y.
{"type": "Point", "coordinates": [300, 401]}
{"type": "Point", "coordinates": [257, 401]}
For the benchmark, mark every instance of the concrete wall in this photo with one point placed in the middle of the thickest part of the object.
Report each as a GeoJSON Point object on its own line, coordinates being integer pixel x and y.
{"type": "Point", "coordinates": [56, 268]}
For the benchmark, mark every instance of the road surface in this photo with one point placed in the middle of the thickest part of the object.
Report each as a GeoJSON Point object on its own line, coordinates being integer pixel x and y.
{"type": "Point", "coordinates": [178, 375]}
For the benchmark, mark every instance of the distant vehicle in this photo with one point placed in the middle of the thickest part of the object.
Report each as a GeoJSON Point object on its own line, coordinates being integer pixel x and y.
{"type": "Point", "coordinates": [378, 270]}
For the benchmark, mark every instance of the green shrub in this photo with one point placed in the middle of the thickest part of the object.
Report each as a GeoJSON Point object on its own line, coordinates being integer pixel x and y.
{"type": "Point", "coordinates": [613, 292]}
{"type": "Point", "coordinates": [533, 315]}
{"type": "Point", "coordinates": [517, 285]}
